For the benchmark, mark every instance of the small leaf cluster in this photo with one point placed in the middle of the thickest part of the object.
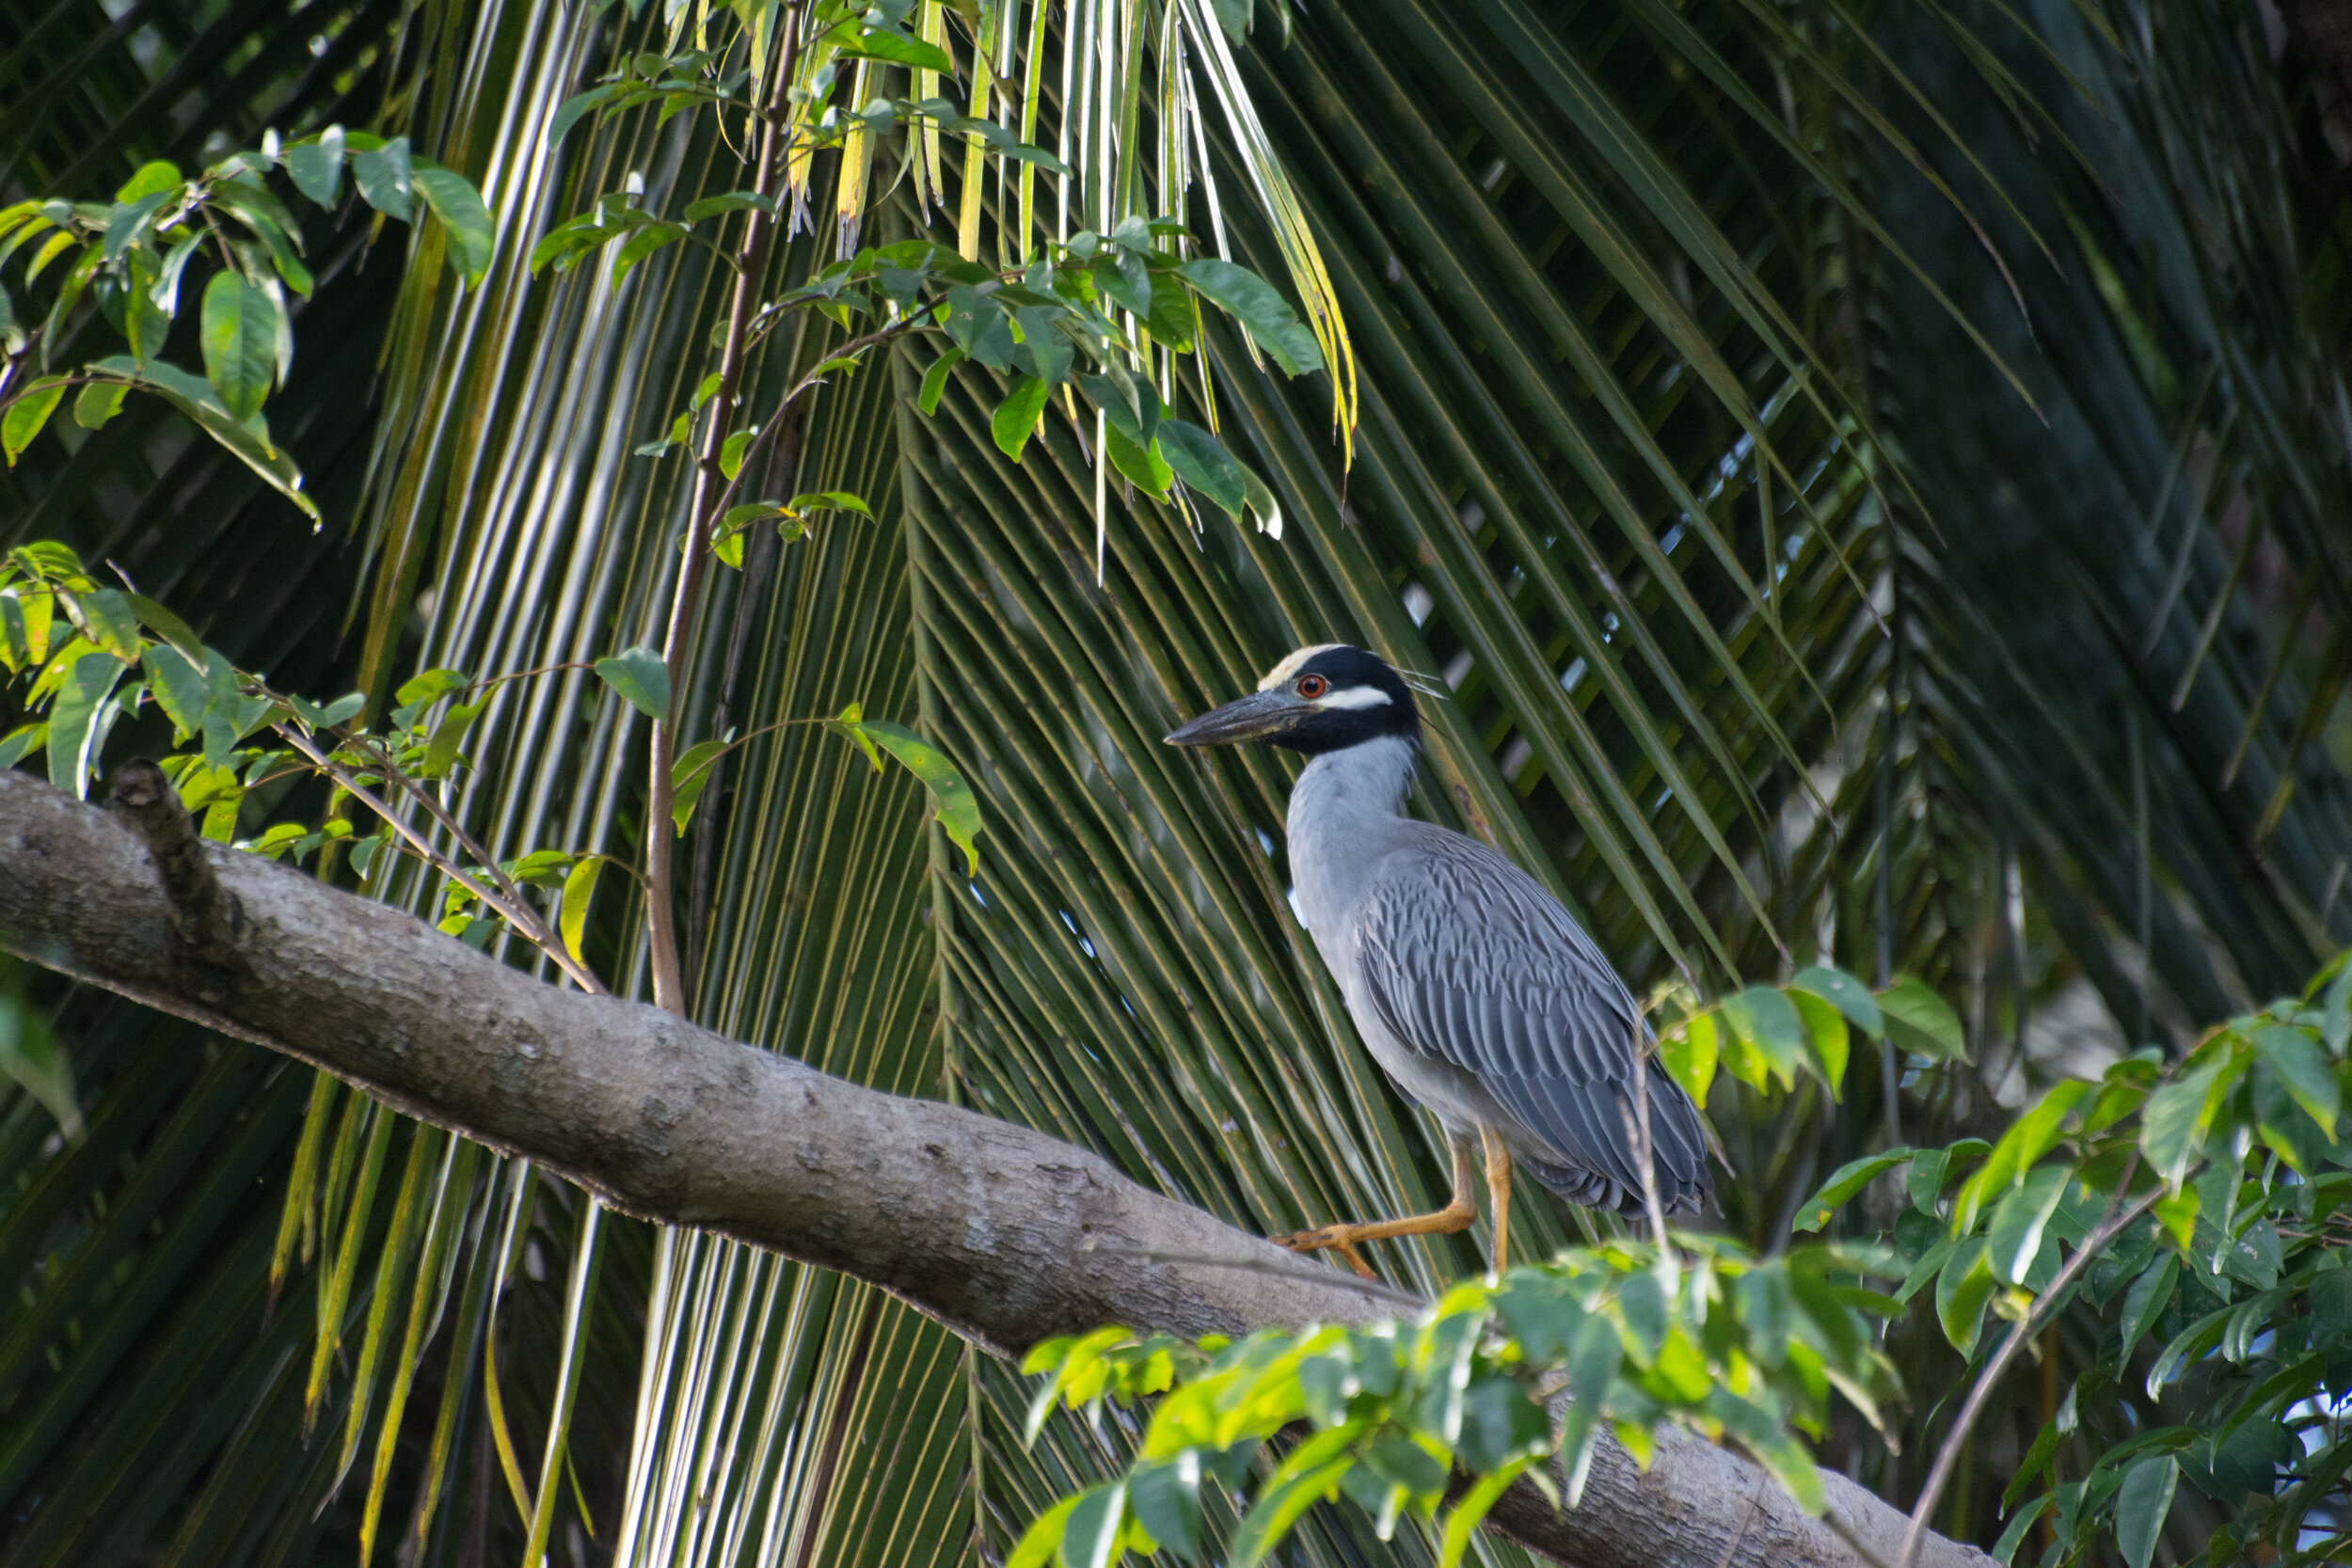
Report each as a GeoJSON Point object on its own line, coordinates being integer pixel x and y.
{"type": "Point", "coordinates": [1701, 1336]}
{"type": "Point", "coordinates": [2223, 1312]}
{"type": "Point", "coordinates": [1779, 1034]}
{"type": "Point", "coordinates": [139, 258]}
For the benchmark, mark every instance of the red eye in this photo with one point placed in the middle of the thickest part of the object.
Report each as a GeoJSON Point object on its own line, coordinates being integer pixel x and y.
{"type": "Point", "coordinates": [1312, 687]}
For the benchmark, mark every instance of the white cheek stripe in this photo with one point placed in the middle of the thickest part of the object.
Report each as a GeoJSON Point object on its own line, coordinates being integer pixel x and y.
{"type": "Point", "coordinates": [1357, 697]}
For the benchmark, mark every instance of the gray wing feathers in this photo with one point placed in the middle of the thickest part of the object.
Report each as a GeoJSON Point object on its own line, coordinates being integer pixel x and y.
{"type": "Point", "coordinates": [1469, 960]}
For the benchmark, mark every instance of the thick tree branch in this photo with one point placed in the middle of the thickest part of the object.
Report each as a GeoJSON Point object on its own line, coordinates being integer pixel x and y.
{"type": "Point", "coordinates": [1000, 1232]}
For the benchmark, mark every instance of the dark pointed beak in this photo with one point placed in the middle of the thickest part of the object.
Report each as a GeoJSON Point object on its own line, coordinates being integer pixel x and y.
{"type": "Point", "coordinates": [1253, 717]}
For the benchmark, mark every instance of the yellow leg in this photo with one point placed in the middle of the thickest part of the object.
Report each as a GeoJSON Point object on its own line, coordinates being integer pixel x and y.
{"type": "Point", "coordinates": [1458, 1215]}
{"type": "Point", "coordinates": [1498, 1193]}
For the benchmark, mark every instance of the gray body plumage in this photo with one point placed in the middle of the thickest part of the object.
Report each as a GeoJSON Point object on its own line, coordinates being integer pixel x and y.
{"type": "Point", "coordinates": [1476, 992]}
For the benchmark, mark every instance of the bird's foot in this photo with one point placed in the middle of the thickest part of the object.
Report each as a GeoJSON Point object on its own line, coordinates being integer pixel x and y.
{"type": "Point", "coordinates": [1337, 1238]}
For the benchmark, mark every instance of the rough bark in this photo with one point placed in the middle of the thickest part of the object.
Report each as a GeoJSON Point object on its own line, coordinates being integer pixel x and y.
{"type": "Point", "coordinates": [1002, 1233]}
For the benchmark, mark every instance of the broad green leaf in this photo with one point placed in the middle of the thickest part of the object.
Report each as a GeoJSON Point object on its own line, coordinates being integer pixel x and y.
{"type": "Point", "coordinates": [1850, 1178]}
{"type": "Point", "coordinates": [177, 685]}
{"type": "Point", "coordinates": [1090, 1536]}
{"type": "Point", "coordinates": [2014, 1535]}
{"type": "Point", "coordinates": [2014, 1237]}
{"type": "Point", "coordinates": [2028, 1138]}
{"type": "Point", "coordinates": [193, 396]}
{"type": "Point", "coordinates": [1200, 460]}
{"type": "Point", "coordinates": [1689, 1056]}
{"type": "Point", "coordinates": [28, 413]}
{"type": "Point", "coordinates": [2303, 1068]}
{"type": "Point", "coordinates": [2149, 1295]}
{"type": "Point", "coordinates": [168, 626]}
{"type": "Point", "coordinates": [1920, 1021]}
{"type": "Point", "coordinates": [96, 402]}
{"type": "Point", "coordinates": [958, 811]}
{"type": "Point", "coordinates": [936, 381]}
{"type": "Point", "coordinates": [2173, 1124]}
{"type": "Point", "coordinates": [458, 205]}
{"type": "Point", "coordinates": [1961, 1290]}
{"type": "Point", "coordinates": [731, 452]}
{"type": "Point", "coordinates": [76, 716]}
{"type": "Point", "coordinates": [1826, 1027]}
{"type": "Point", "coordinates": [1043, 1539]}
{"type": "Point", "coordinates": [2142, 1505]}
{"type": "Point", "coordinates": [1140, 465]}
{"type": "Point", "coordinates": [1016, 418]}
{"type": "Point", "coordinates": [1165, 1495]}
{"type": "Point", "coordinates": [152, 179]}
{"type": "Point", "coordinates": [315, 165]}
{"type": "Point", "coordinates": [689, 774]}
{"type": "Point", "coordinates": [240, 339]}
{"type": "Point", "coordinates": [31, 1054]}
{"type": "Point", "coordinates": [442, 751]}
{"type": "Point", "coordinates": [832, 500]}
{"type": "Point", "coordinates": [580, 887]}
{"type": "Point", "coordinates": [897, 48]}
{"type": "Point", "coordinates": [1253, 302]}
{"type": "Point", "coordinates": [1766, 1021]}
{"type": "Point", "coordinates": [640, 675]}
{"type": "Point", "coordinates": [385, 177]}
{"type": "Point", "coordinates": [1849, 995]}
{"type": "Point", "coordinates": [711, 206]}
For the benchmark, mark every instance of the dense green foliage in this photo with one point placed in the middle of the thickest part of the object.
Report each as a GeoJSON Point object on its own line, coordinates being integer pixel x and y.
{"type": "Point", "coordinates": [1862, 473]}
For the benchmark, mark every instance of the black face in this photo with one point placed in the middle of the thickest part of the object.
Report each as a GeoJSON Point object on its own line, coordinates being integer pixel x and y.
{"type": "Point", "coordinates": [1318, 700]}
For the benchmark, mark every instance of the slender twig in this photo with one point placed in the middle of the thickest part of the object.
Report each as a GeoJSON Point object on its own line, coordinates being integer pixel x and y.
{"type": "Point", "coordinates": [711, 488]}
{"type": "Point", "coordinates": [519, 912]}
{"type": "Point", "coordinates": [1949, 1455]}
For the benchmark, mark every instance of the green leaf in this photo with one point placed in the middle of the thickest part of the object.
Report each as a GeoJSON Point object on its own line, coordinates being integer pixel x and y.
{"type": "Point", "coordinates": [574, 108]}
{"type": "Point", "coordinates": [731, 451]}
{"type": "Point", "coordinates": [1142, 466]}
{"type": "Point", "coordinates": [579, 886]}
{"type": "Point", "coordinates": [1252, 301]}
{"type": "Point", "coordinates": [2013, 1237]}
{"type": "Point", "coordinates": [640, 675]}
{"type": "Point", "coordinates": [1961, 1290]}
{"type": "Point", "coordinates": [1200, 460]}
{"type": "Point", "coordinates": [689, 774]}
{"type": "Point", "coordinates": [195, 397]}
{"type": "Point", "coordinates": [958, 810]}
{"type": "Point", "coordinates": [1851, 1178]}
{"type": "Point", "coordinates": [1090, 1536]}
{"type": "Point", "coordinates": [240, 339]}
{"type": "Point", "coordinates": [96, 402]}
{"type": "Point", "coordinates": [178, 683]}
{"type": "Point", "coordinates": [711, 206]}
{"type": "Point", "coordinates": [449, 737]}
{"type": "Point", "coordinates": [832, 500]}
{"type": "Point", "coordinates": [31, 1054]}
{"type": "Point", "coordinates": [2145, 1301]}
{"type": "Point", "coordinates": [75, 720]}
{"type": "Point", "coordinates": [2302, 1067]}
{"type": "Point", "coordinates": [1919, 1021]}
{"type": "Point", "coordinates": [936, 381]}
{"type": "Point", "coordinates": [2173, 1123]}
{"type": "Point", "coordinates": [152, 179]}
{"type": "Point", "coordinates": [1766, 1021]}
{"type": "Point", "coordinates": [1165, 1497]}
{"type": "Point", "coordinates": [28, 413]}
{"type": "Point", "coordinates": [1826, 1027]}
{"type": "Point", "coordinates": [1038, 1543]}
{"type": "Point", "coordinates": [2142, 1505]}
{"type": "Point", "coordinates": [2014, 1536]}
{"type": "Point", "coordinates": [169, 626]}
{"type": "Point", "coordinates": [316, 164]}
{"type": "Point", "coordinates": [1690, 1055]}
{"type": "Point", "coordinates": [1016, 418]}
{"type": "Point", "coordinates": [22, 743]}
{"type": "Point", "coordinates": [1044, 351]}
{"type": "Point", "coordinates": [385, 177]}
{"type": "Point", "coordinates": [899, 50]}
{"type": "Point", "coordinates": [459, 206]}
{"type": "Point", "coordinates": [1849, 995]}
{"type": "Point", "coordinates": [127, 224]}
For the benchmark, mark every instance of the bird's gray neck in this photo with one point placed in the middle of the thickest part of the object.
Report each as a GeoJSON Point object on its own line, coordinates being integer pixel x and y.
{"type": "Point", "coordinates": [1345, 813]}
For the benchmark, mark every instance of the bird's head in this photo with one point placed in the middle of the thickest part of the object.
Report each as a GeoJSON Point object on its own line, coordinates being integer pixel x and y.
{"type": "Point", "coordinates": [1320, 699]}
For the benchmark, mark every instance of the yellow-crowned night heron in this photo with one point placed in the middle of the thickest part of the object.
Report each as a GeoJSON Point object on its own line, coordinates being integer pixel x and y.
{"type": "Point", "coordinates": [1471, 984]}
